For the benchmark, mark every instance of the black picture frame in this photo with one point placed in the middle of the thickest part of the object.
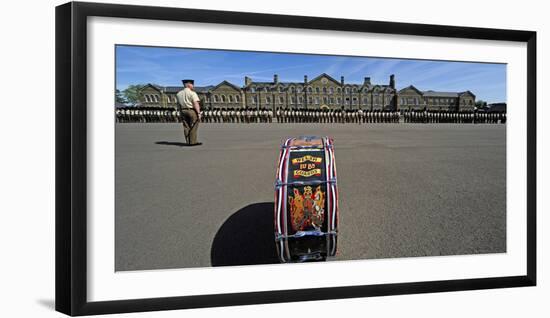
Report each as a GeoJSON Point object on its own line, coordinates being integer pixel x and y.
{"type": "Point", "coordinates": [71, 157]}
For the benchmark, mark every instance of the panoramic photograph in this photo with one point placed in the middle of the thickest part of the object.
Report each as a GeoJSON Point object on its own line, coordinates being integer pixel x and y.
{"type": "Point", "coordinates": [231, 158]}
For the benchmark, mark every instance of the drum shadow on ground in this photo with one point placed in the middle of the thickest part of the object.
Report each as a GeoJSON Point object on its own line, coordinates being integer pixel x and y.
{"type": "Point", "coordinates": [246, 238]}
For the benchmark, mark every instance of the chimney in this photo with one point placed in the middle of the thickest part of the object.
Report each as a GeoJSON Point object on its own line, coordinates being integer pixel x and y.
{"type": "Point", "coordinates": [305, 79]}
{"type": "Point", "coordinates": [367, 81]}
{"type": "Point", "coordinates": [247, 81]}
{"type": "Point", "coordinates": [275, 78]}
{"type": "Point", "coordinates": [392, 81]}
{"type": "Point", "coordinates": [342, 80]}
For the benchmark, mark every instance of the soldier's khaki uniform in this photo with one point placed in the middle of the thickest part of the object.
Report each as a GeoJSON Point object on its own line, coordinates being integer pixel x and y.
{"type": "Point", "coordinates": [189, 116]}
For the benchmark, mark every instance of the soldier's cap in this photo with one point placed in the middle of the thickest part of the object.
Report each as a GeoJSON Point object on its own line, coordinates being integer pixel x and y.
{"type": "Point", "coordinates": [185, 81]}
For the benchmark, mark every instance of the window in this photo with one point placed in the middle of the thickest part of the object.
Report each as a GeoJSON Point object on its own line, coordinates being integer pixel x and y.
{"type": "Point", "coordinates": [347, 90]}
{"type": "Point", "coordinates": [254, 99]}
{"type": "Point", "coordinates": [338, 90]}
{"type": "Point", "coordinates": [331, 100]}
{"type": "Point", "coordinates": [281, 100]}
{"type": "Point", "coordinates": [300, 99]}
{"type": "Point", "coordinates": [252, 89]}
{"type": "Point", "coordinates": [292, 89]}
{"type": "Point", "coordinates": [237, 98]}
{"type": "Point", "coordinates": [317, 90]}
{"type": "Point", "coordinates": [268, 100]}
{"type": "Point", "coordinates": [298, 89]}
{"type": "Point", "coordinates": [354, 100]}
{"type": "Point", "coordinates": [223, 98]}
{"type": "Point", "coordinates": [316, 100]}
{"type": "Point", "coordinates": [309, 89]}
{"type": "Point", "coordinates": [309, 100]}
{"type": "Point", "coordinates": [146, 98]}
{"type": "Point", "coordinates": [216, 98]}
{"type": "Point", "coordinates": [355, 90]}
{"type": "Point", "coordinates": [339, 100]}
{"type": "Point", "coordinates": [331, 90]}
{"type": "Point", "coordinates": [281, 89]}
{"type": "Point", "coordinates": [325, 100]}
{"type": "Point", "coordinates": [416, 101]}
{"type": "Point", "coordinates": [231, 98]}
{"type": "Point", "coordinates": [293, 100]}
{"type": "Point", "coordinates": [156, 98]}
{"type": "Point", "coordinates": [324, 90]}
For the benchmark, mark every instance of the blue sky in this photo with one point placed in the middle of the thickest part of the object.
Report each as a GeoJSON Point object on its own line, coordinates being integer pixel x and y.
{"type": "Point", "coordinates": [168, 66]}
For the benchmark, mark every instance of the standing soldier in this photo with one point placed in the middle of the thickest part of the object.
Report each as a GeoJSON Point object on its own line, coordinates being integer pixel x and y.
{"type": "Point", "coordinates": [233, 115]}
{"type": "Point", "coordinates": [117, 115]}
{"type": "Point", "coordinates": [174, 116]}
{"type": "Point", "coordinates": [188, 104]}
{"type": "Point", "coordinates": [237, 115]}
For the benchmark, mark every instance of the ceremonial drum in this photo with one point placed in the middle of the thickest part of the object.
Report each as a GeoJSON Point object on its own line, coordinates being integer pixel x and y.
{"type": "Point", "coordinates": [306, 200]}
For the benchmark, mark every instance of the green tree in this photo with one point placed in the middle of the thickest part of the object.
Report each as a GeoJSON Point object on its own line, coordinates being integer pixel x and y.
{"type": "Point", "coordinates": [132, 94]}
{"type": "Point", "coordinates": [119, 98]}
{"type": "Point", "coordinates": [481, 104]}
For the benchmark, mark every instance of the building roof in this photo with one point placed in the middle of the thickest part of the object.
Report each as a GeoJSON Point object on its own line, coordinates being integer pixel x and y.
{"type": "Point", "coordinates": [203, 89]}
{"type": "Point", "coordinates": [431, 93]}
{"type": "Point", "coordinates": [327, 76]}
{"type": "Point", "coordinates": [272, 83]}
{"type": "Point", "coordinates": [175, 89]}
{"type": "Point", "coordinates": [224, 83]}
{"type": "Point", "coordinates": [411, 87]}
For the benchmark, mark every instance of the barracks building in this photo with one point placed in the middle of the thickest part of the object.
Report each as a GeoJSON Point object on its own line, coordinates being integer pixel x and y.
{"type": "Point", "coordinates": [321, 92]}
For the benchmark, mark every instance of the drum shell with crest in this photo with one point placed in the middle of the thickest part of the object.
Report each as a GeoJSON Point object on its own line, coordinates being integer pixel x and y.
{"type": "Point", "coordinates": [306, 200]}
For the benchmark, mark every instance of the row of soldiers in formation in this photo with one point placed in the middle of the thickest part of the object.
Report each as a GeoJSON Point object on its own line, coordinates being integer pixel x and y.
{"type": "Point", "coordinates": [454, 117]}
{"type": "Point", "coordinates": [262, 115]}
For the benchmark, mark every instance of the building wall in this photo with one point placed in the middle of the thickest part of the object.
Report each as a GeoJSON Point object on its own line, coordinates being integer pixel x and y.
{"type": "Point", "coordinates": [441, 103]}
{"type": "Point", "coordinates": [322, 92]}
{"type": "Point", "coordinates": [151, 97]}
{"type": "Point", "coordinates": [466, 102]}
{"type": "Point", "coordinates": [223, 96]}
{"type": "Point", "coordinates": [410, 99]}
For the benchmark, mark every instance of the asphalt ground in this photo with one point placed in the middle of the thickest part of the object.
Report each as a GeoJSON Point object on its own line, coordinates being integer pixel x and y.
{"type": "Point", "coordinates": [406, 190]}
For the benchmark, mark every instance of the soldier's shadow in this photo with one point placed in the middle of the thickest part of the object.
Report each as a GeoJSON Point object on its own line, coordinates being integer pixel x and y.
{"type": "Point", "coordinates": [246, 237]}
{"type": "Point", "coordinates": [172, 143]}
